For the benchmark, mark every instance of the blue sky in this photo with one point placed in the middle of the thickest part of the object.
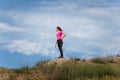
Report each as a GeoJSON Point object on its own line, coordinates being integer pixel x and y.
{"type": "Point", "coordinates": [27, 29]}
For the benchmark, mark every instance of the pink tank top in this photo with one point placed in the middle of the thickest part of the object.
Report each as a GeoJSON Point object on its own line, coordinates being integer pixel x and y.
{"type": "Point", "coordinates": [59, 35]}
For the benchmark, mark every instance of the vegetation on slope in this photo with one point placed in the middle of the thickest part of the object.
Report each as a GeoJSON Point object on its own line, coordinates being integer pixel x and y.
{"type": "Point", "coordinates": [70, 69]}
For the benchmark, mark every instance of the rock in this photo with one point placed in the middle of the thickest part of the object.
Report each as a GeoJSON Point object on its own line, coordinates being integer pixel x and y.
{"type": "Point", "coordinates": [59, 61]}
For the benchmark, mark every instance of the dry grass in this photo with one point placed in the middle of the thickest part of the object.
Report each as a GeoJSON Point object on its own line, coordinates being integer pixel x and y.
{"type": "Point", "coordinates": [67, 69]}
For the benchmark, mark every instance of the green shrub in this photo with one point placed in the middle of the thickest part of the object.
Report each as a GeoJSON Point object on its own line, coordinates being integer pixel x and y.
{"type": "Point", "coordinates": [99, 60]}
{"type": "Point", "coordinates": [118, 55]}
{"type": "Point", "coordinates": [40, 64]}
{"type": "Point", "coordinates": [12, 77]}
{"type": "Point", "coordinates": [25, 70]}
{"type": "Point", "coordinates": [71, 71]}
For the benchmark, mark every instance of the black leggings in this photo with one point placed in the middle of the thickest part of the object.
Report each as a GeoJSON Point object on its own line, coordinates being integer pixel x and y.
{"type": "Point", "coordinates": [60, 44]}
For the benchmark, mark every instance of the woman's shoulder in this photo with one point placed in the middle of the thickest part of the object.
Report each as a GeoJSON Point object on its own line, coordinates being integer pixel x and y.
{"type": "Point", "coordinates": [60, 31]}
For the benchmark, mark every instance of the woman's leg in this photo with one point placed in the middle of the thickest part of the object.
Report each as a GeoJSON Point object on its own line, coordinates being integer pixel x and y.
{"type": "Point", "coordinates": [60, 43]}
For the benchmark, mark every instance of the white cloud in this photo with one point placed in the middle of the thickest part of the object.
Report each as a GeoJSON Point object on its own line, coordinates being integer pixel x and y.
{"type": "Point", "coordinates": [77, 26]}
{"type": "Point", "coordinates": [26, 47]}
{"type": "Point", "coordinates": [96, 12]}
{"type": "Point", "coordinates": [4, 27]}
{"type": "Point", "coordinates": [116, 39]}
{"type": "Point", "coordinates": [89, 26]}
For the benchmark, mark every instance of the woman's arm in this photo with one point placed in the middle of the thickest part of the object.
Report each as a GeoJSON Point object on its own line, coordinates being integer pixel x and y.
{"type": "Point", "coordinates": [64, 35]}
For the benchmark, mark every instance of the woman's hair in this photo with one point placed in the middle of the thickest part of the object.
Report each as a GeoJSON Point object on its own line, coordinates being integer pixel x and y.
{"type": "Point", "coordinates": [59, 28]}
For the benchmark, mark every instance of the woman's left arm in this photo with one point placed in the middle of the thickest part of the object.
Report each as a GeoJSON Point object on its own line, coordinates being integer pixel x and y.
{"type": "Point", "coordinates": [64, 35]}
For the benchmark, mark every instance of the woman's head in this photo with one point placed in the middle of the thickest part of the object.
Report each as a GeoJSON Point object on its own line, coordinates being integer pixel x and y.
{"type": "Point", "coordinates": [58, 28]}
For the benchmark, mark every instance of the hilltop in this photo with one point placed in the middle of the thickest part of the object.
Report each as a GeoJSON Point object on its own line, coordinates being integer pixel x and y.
{"type": "Point", "coordinates": [67, 69]}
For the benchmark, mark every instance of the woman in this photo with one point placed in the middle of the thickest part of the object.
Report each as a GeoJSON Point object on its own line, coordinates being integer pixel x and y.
{"type": "Point", "coordinates": [59, 42]}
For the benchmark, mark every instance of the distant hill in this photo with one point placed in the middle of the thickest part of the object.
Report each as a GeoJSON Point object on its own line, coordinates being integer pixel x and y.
{"type": "Point", "coordinates": [67, 69]}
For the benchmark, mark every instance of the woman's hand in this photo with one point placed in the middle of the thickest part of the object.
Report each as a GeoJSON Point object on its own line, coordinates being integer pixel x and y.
{"type": "Point", "coordinates": [64, 35]}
